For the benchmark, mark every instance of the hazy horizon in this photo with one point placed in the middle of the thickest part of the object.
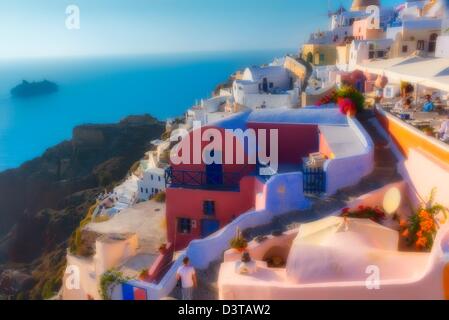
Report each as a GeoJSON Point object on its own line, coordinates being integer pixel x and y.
{"type": "Point", "coordinates": [36, 29]}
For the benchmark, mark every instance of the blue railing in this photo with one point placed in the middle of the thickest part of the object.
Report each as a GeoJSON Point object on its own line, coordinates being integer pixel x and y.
{"type": "Point", "coordinates": [314, 180]}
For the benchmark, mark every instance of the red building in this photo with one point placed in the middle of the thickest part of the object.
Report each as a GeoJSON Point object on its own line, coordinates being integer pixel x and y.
{"type": "Point", "coordinates": [201, 199]}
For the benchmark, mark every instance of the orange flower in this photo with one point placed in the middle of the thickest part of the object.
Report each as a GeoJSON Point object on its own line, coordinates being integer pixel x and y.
{"type": "Point", "coordinates": [406, 233]}
{"type": "Point", "coordinates": [424, 214]}
{"type": "Point", "coordinates": [403, 223]}
{"type": "Point", "coordinates": [427, 225]}
{"type": "Point", "coordinates": [421, 243]}
{"type": "Point", "coordinates": [419, 234]}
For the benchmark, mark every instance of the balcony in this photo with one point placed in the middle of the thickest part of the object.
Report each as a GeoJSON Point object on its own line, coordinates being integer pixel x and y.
{"type": "Point", "coordinates": [228, 181]}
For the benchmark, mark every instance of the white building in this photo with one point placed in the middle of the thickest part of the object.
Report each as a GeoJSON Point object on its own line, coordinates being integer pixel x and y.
{"type": "Point", "coordinates": [362, 50]}
{"type": "Point", "coordinates": [152, 177]}
{"type": "Point", "coordinates": [267, 87]}
{"type": "Point", "coordinates": [210, 110]}
{"type": "Point", "coordinates": [325, 75]}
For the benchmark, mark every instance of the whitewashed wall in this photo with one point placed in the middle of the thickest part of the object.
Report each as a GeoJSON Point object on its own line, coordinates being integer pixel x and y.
{"type": "Point", "coordinates": [442, 50]}
{"type": "Point", "coordinates": [348, 171]}
{"type": "Point", "coordinates": [146, 183]}
{"type": "Point", "coordinates": [256, 100]}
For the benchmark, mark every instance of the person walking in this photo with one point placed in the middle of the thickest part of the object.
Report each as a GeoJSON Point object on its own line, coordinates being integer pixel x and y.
{"type": "Point", "coordinates": [187, 275]}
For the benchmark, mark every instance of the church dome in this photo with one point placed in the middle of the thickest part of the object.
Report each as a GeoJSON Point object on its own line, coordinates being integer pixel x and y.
{"type": "Point", "coordinates": [359, 5]}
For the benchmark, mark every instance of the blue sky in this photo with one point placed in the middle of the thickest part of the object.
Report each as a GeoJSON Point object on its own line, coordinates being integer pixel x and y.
{"type": "Point", "coordinates": [35, 28]}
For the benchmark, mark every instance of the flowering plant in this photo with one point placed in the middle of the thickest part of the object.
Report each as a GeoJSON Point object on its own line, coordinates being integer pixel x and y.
{"type": "Point", "coordinates": [364, 212]}
{"type": "Point", "coordinates": [421, 228]}
{"type": "Point", "coordinates": [238, 242]}
{"type": "Point", "coordinates": [348, 99]}
{"type": "Point", "coordinates": [347, 106]}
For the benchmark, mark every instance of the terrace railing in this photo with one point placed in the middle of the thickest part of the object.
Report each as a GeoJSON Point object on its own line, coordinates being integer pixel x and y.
{"type": "Point", "coordinates": [203, 180]}
{"type": "Point", "coordinates": [314, 180]}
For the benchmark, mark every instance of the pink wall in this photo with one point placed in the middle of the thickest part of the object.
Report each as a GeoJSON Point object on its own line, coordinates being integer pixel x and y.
{"type": "Point", "coordinates": [295, 140]}
{"type": "Point", "coordinates": [190, 166]}
{"type": "Point", "coordinates": [188, 203]}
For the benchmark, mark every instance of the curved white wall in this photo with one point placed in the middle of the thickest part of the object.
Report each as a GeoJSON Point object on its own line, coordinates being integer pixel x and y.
{"type": "Point", "coordinates": [348, 171]}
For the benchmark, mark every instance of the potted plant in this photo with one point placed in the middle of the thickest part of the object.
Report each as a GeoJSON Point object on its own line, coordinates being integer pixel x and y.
{"type": "Point", "coordinates": [421, 228]}
{"type": "Point", "coordinates": [143, 274]}
{"type": "Point", "coordinates": [375, 214]}
{"type": "Point", "coordinates": [163, 248]}
{"type": "Point", "coordinates": [239, 243]}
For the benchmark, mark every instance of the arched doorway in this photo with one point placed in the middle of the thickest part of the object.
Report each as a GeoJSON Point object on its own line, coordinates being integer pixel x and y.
{"type": "Point", "coordinates": [310, 57]}
{"type": "Point", "coordinates": [433, 42]}
{"type": "Point", "coordinates": [265, 85]}
{"type": "Point", "coordinates": [214, 170]}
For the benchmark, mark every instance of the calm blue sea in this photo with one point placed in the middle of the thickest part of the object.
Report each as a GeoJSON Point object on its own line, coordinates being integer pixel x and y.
{"type": "Point", "coordinates": [104, 90]}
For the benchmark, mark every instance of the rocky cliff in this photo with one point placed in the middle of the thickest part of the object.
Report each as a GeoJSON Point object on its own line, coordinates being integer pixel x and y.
{"type": "Point", "coordinates": [44, 200]}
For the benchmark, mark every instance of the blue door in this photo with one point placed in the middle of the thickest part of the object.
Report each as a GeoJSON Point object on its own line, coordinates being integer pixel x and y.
{"type": "Point", "coordinates": [209, 226]}
{"type": "Point", "coordinates": [359, 86]}
{"type": "Point", "coordinates": [265, 85]}
{"type": "Point", "coordinates": [214, 174]}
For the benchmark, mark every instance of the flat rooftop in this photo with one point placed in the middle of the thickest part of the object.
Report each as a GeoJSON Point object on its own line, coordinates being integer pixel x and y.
{"type": "Point", "coordinates": [342, 140]}
{"type": "Point", "coordinates": [146, 219]}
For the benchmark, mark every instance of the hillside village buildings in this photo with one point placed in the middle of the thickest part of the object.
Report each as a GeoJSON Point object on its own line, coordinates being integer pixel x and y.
{"type": "Point", "coordinates": [152, 171]}
{"type": "Point", "coordinates": [201, 199]}
{"type": "Point", "coordinates": [389, 160]}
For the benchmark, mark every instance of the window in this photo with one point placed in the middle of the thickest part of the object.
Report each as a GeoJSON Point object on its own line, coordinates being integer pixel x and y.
{"type": "Point", "coordinates": [209, 208]}
{"type": "Point", "coordinates": [371, 55]}
{"type": "Point", "coordinates": [433, 42]}
{"type": "Point", "coordinates": [404, 49]}
{"type": "Point", "coordinates": [380, 54]}
{"type": "Point", "coordinates": [152, 190]}
{"type": "Point", "coordinates": [156, 190]}
{"type": "Point", "coordinates": [141, 190]}
{"type": "Point", "coordinates": [421, 45]}
{"type": "Point", "coordinates": [159, 179]}
{"type": "Point", "coordinates": [152, 177]}
{"type": "Point", "coordinates": [321, 57]}
{"type": "Point", "coordinates": [184, 225]}
{"type": "Point", "coordinates": [146, 190]}
{"type": "Point", "coordinates": [271, 85]}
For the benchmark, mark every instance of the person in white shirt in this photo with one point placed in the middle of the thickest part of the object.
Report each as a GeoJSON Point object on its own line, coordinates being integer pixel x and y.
{"type": "Point", "coordinates": [444, 131]}
{"type": "Point", "coordinates": [187, 275]}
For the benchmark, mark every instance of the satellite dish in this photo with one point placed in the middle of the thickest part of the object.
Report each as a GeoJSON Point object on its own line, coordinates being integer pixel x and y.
{"type": "Point", "coordinates": [392, 200]}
